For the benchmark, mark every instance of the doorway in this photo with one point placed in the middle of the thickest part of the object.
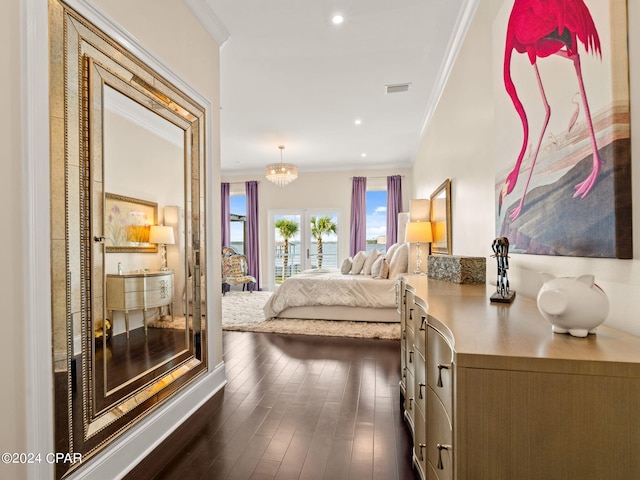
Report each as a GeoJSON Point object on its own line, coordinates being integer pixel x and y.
{"type": "Point", "coordinates": [302, 239]}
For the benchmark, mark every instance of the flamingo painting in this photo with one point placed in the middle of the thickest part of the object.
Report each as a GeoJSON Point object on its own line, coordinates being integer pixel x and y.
{"type": "Point", "coordinates": [539, 29]}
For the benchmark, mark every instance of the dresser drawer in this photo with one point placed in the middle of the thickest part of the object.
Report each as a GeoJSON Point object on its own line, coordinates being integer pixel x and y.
{"type": "Point", "coordinates": [421, 382]}
{"type": "Point", "coordinates": [420, 328]}
{"type": "Point", "coordinates": [420, 442]}
{"type": "Point", "coordinates": [411, 354]}
{"type": "Point", "coordinates": [439, 438]}
{"type": "Point", "coordinates": [440, 367]}
{"type": "Point", "coordinates": [410, 399]}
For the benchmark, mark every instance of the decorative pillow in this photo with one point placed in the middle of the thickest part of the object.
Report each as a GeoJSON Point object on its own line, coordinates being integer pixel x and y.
{"type": "Point", "coordinates": [368, 263]}
{"type": "Point", "coordinates": [380, 268]}
{"type": "Point", "coordinates": [358, 262]}
{"type": "Point", "coordinates": [391, 251]}
{"type": "Point", "coordinates": [346, 266]}
{"type": "Point", "coordinates": [399, 263]}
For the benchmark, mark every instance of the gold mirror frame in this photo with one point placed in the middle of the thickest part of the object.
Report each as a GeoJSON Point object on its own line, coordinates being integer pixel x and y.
{"type": "Point", "coordinates": [82, 60]}
{"type": "Point", "coordinates": [440, 217]}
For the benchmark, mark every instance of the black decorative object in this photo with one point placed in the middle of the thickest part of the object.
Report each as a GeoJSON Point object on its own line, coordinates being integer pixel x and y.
{"type": "Point", "coordinates": [500, 248]}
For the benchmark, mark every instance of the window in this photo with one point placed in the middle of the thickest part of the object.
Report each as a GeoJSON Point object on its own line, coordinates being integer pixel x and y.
{"type": "Point", "coordinates": [376, 220]}
{"type": "Point", "coordinates": [238, 208]}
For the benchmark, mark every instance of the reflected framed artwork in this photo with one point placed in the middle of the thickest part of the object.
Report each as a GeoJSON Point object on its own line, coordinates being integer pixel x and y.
{"type": "Point", "coordinates": [127, 224]}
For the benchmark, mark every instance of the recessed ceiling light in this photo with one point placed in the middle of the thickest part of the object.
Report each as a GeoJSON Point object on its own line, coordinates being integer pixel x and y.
{"type": "Point", "coordinates": [364, 155]}
{"type": "Point", "coordinates": [357, 121]}
{"type": "Point", "coordinates": [337, 19]}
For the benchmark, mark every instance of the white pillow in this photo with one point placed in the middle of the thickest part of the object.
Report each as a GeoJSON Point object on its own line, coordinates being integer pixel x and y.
{"type": "Point", "coordinates": [391, 251]}
{"type": "Point", "coordinates": [380, 268]}
{"type": "Point", "coordinates": [358, 262]}
{"type": "Point", "coordinates": [346, 266]}
{"type": "Point", "coordinates": [368, 263]}
{"type": "Point", "coordinates": [399, 263]}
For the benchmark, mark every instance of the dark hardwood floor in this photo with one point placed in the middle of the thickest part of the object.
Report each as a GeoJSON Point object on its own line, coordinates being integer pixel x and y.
{"type": "Point", "coordinates": [295, 407]}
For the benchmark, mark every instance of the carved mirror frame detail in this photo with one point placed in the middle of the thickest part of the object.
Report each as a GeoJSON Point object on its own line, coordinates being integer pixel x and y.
{"type": "Point", "coordinates": [82, 60]}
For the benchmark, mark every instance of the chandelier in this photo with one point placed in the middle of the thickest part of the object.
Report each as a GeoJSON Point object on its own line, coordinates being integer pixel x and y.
{"type": "Point", "coordinates": [281, 173]}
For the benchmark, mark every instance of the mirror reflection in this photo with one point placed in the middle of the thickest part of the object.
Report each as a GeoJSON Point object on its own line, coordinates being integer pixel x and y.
{"type": "Point", "coordinates": [143, 172]}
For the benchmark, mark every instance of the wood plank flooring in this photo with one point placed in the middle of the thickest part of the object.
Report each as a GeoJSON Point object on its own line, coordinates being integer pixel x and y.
{"type": "Point", "coordinates": [295, 407]}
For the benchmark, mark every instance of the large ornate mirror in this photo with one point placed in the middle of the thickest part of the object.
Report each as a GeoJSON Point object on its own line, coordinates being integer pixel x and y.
{"type": "Point", "coordinates": [127, 156]}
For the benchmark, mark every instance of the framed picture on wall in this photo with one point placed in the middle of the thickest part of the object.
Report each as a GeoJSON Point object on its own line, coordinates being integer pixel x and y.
{"type": "Point", "coordinates": [563, 150]}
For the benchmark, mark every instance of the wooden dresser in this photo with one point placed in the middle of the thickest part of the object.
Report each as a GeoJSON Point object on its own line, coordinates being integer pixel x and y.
{"type": "Point", "coordinates": [491, 393]}
{"type": "Point", "coordinates": [139, 291]}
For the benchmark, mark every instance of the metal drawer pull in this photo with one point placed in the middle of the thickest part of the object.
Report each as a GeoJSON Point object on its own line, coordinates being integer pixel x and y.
{"type": "Point", "coordinates": [410, 356]}
{"type": "Point", "coordinates": [420, 386]}
{"type": "Point", "coordinates": [411, 400]}
{"type": "Point", "coordinates": [98, 239]}
{"type": "Point", "coordinates": [441, 447]}
{"type": "Point", "coordinates": [424, 322]}
{"type": "Point", "coordinates": [422, 446]}
{"type": "Point", "coordinates": [440, 367]}
{"type": "Point", "coordinates": [411, 314]}
{"type": "Point", "coordinates": [404, 334]}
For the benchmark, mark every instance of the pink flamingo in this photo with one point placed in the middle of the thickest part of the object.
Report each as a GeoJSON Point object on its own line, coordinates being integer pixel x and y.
{"type": "Point", "coordinates": [541, 28]}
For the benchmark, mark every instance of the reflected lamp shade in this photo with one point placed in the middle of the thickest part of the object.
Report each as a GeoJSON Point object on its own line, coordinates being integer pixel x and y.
{"type": "Point", "coordinates": [161, 235]}
{"type": "Point", "coordinates": [418, 232]}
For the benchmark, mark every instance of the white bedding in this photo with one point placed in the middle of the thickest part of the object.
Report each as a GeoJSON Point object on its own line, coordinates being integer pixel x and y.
{"type": "Point", "coordinates": [329, 287]}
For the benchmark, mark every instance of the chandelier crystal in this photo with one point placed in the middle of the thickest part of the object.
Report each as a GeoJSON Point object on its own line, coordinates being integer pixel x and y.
{"type": "Point", "coordinates": [281, 173]}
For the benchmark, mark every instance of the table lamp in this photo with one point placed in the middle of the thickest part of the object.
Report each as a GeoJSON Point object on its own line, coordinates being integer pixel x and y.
{"type": "Point", "coordinates": [163, 236]}
{"type": "Point", "coordinates": [418, 232]}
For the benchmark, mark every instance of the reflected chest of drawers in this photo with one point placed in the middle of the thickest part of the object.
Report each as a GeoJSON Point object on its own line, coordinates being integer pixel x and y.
{"type": "Point", "coordinates": [139, 291]}
{"type": "Point", "coordinates": [491, 393]}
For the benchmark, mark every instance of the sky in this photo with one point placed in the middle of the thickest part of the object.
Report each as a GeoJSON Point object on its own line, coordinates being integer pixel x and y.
{"type": "Point", "coordinates": [376, 214]}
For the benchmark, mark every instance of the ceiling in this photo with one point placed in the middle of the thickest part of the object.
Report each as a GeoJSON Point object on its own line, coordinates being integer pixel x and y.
{"type": "Point", "coordinates": [291, 77]}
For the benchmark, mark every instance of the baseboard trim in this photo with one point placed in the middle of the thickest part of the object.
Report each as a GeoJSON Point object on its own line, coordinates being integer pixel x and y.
{"type": "Point", "coordinates": [119, 458]}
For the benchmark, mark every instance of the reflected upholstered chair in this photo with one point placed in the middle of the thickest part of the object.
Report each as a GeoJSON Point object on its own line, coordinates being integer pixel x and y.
{"type": "Point", "coordinates": [234, 271]}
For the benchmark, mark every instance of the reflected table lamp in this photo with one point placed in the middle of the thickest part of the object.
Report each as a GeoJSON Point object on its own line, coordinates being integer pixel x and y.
{"type": "Point", "coordinates": [418, 232]}
{"type": "Point", "coordinates": [163, 236]}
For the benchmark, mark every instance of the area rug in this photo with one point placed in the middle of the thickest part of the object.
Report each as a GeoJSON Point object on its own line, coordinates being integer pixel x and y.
{"type": "Point", "coordinates": [242, 311]}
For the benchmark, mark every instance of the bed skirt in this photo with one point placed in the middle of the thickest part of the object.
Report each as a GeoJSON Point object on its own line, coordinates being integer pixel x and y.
{"type": "Point", "coordinates": [355, 314]}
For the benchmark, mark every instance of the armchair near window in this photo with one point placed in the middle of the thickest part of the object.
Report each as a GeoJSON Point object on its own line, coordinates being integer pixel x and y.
{"type": "Point", "coordinates": [234, 271]}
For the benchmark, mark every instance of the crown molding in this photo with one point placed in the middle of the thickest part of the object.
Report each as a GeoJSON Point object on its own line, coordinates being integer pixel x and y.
{"type": "Point", "coordinates": [209, 20]}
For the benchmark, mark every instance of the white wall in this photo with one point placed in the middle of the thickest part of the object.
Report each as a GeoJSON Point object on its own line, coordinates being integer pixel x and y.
{"type": "Point", "coordinates": [12, 240]}
{"type": "Point", "coordinates": [313, 190]}
{"type": "Point", "coordinates": [458, 144]}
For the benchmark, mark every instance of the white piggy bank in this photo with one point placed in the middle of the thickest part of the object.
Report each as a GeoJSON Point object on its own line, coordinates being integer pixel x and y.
{"type": "Point", "coordinates": [573, 305]}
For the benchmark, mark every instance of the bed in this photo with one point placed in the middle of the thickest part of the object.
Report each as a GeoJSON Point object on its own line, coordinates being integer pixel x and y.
{"type": "Point", "coordinates": [332, 294]}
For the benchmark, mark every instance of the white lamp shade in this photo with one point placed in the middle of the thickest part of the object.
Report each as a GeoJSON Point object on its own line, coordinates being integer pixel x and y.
{"type": "Point", "coordinates": [419, 210]}
{"type": "Point", "coordinates": [161, 235]}
{"type": "Point", "coordinates": [418, 232]}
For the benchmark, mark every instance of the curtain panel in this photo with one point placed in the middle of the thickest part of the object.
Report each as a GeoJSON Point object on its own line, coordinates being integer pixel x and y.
{"type": "Point", "coordinates": [253, 235]}
{"type": "Point", "coordinates": [226, 214]}
{"type": "Point", "coordinates": [358, 226]}
{"type": "Point", "coordinates": [394, 207]}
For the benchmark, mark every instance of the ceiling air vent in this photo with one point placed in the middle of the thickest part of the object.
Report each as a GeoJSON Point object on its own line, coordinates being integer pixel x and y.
{"type": "Point", "coordinates": [397, 87]}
